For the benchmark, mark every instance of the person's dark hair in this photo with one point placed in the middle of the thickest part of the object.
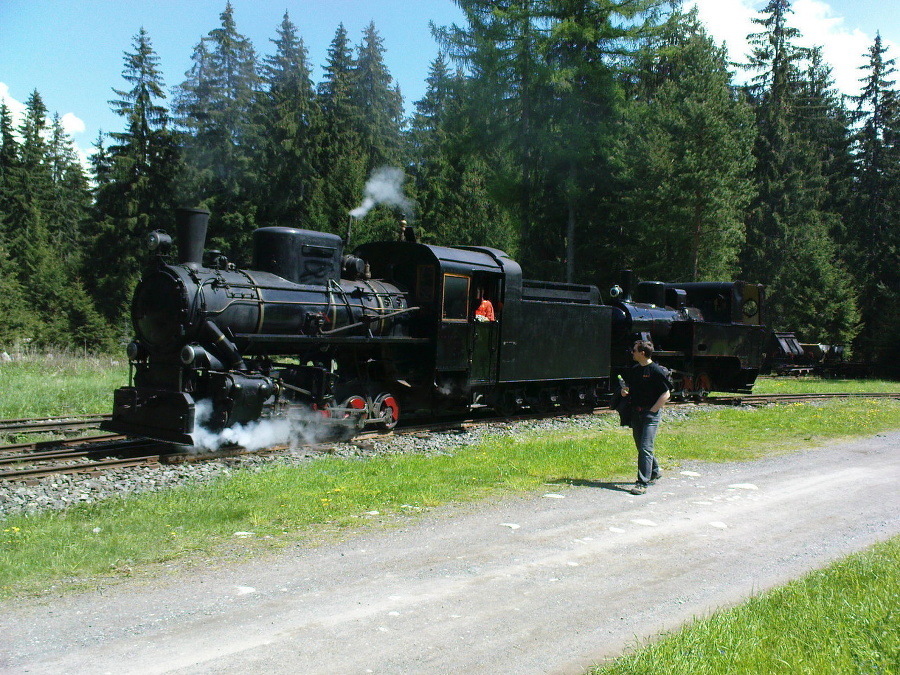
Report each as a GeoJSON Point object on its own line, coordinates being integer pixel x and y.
{"type": "Point", "coordinates": [645, 347]}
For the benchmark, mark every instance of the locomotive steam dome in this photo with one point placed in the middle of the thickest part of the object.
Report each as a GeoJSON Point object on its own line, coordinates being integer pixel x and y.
{"type": "Point", "coordinates": [301, 256]}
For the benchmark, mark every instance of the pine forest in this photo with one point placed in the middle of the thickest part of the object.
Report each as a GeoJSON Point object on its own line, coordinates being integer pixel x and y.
{"type": "Point", "coordinates": [580, 136]}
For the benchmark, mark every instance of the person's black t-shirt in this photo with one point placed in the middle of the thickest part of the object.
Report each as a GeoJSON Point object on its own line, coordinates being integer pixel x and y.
{"type": "Point", "coordinates": [646, 384]}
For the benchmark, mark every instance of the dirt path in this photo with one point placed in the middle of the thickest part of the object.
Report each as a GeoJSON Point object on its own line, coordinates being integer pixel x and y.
{"type": "Point", "coordinates": [546, 584]}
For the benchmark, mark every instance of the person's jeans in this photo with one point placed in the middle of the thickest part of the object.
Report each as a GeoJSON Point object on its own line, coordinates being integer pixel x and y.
{"type": "Point", "coordinates": [644, 427]}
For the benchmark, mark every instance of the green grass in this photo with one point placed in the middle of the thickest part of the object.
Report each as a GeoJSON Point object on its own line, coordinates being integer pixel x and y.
{"type": "Point", "coordinates": [818, 385]}
{"type": "Point", "coordinates": [285, 502]}
{"type": "Point", "coordinates": [843, 619]}
{"type": "Point", "coordinates": [46, 385]}
{"type": "Point", "coordinates": [731, 434]}
{"type": "Point", "coordinates": [288, 504]}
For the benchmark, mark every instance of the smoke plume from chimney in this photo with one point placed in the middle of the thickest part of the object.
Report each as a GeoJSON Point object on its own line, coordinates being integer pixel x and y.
{"type": "Point", "coordinates": [385, 186]}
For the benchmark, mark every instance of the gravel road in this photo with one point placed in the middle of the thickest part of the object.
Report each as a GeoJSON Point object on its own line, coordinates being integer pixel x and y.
{"type": "Point", "coordinates": [548, 583]}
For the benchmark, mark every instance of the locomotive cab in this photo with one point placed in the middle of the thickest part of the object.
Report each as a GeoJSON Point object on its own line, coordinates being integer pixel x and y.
{"type": "Point", "coordinates": [459, 365]}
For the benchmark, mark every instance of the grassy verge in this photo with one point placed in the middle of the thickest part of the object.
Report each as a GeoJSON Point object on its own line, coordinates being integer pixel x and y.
{"type": "Point", "coordinates": [843, 619]}
{"type": "Point", "coordinates": [45, 385]}
{"type": "Point", "coordinates": [285, 504]}
{"type": "Point", "coordinates": [737, 434]}
{"type": "Point", "coordinates": [818, 385]}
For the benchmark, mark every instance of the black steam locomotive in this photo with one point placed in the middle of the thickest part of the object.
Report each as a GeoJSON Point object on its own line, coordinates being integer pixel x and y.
{"type": "Point", "coordinates": [359, 338]}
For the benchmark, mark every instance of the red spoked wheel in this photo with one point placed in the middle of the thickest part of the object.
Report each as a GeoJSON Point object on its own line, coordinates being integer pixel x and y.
{"type": "Point", "coordinates": [386, 411]}
{"type": "Point", "coordinates": [702, 386]}
{"type": "Point", "coordinates": [323, 410]}
{"type": "Point", "coordinates": [350, 408]}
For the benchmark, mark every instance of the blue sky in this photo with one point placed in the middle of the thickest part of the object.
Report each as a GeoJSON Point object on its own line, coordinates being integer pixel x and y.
{"type": "Point", "coordinates": [71, 50]}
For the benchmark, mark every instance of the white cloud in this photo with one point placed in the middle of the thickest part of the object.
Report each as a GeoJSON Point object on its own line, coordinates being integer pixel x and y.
{"type": "Point", "coordinates": [728, 21]}
{"type": "Point", "coordinates": [17, 108]}
{"type": "Point", "coordinates": [72, 124]}
{"type": "Point", "coordinates": [843, 48]}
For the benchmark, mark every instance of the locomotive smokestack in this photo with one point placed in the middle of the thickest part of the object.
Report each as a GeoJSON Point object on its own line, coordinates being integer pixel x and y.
{"type": "Point", "coordinates": [190, 227]}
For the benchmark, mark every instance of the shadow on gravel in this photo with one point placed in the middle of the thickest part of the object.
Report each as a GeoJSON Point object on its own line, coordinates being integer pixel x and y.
{"type": "Point", "coordinates": [581, 482]}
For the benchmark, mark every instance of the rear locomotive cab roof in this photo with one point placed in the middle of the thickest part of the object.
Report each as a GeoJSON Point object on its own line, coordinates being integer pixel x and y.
{"type": "Point", "coordinates": [383, 255]}
{"type": "Point", "coordinates": [389, 259]}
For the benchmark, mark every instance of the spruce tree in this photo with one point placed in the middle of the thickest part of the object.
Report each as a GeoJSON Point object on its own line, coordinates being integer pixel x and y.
{"type": "Point", "coordinates": [70, 198]}
{"type": "Point", "coordinates": [542, 76]}
{"type": "Point", "coordinates": [380, 105]}
{"type": "Point", "coordinates": [341, 160]}
{"type": "Point", "coordinates": [789, 243]}
{"type": "Point", "coordinates": [19, 320]}
{"type": "Point", "coordinates": [455, 206]}
{"type": "Point", "coordinates": [215, 106]}
{"type": "Point", "coordinates": [872, 237]}
{"type": "Point", "coordinates": [290, 114]}
{"type": "Point", "coordinates": [379, 117]}
{"type": "Point", "coordinates": [9, 165]}
{"type": "Point", "coordinates": [431, 158]}
{"type": "Point", "coordinates": [52, 289]}
{"type": "Point", "coordinates": [684, 159]}
{"type": "Point", "coordinates": [500, 47]}
{"type": "Point", "coordinates": [136, 177]}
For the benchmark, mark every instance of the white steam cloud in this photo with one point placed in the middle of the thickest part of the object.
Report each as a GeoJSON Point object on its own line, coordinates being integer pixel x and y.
{"type": "Point", "coordinates": [385, 186]}
{"type": "Point", "coordinates": [299, 429]}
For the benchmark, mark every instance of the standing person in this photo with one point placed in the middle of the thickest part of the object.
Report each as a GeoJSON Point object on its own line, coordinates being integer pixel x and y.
{"type": "Point", "coordinates": [647, 383]}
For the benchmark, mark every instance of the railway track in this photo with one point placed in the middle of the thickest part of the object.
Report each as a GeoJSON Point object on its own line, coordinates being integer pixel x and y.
{"type": "Point", "coordinates": [51, 424]}
{"type": "Point", "coordinates": [765, 399]}
{"type": "Point", "coordinates": [77, 456]}
{"type": "Point", "coordinates": [98, 453]}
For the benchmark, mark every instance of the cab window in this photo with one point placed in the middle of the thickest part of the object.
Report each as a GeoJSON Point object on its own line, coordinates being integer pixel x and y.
{"type": "Point", "coordinates": [425, 283]}
{"type": "Point", "coordinates": [456, 298]}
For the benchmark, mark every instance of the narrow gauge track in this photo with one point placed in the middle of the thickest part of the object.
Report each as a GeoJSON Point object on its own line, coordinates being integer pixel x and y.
{"type": "Point", "coordinates": [78, 456]}
{"type": "Point", "coordinates": [51, 424]}
{"type": "Point", "coordinates": [38, 446]}
{"type": "Point", "coordinates": [765, 399]}
{"type": "Point", "coordinates": [96, 454]}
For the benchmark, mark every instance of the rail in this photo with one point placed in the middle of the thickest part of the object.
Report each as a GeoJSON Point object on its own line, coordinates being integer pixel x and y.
{"type": "Point", "coordinates": [101, 453]}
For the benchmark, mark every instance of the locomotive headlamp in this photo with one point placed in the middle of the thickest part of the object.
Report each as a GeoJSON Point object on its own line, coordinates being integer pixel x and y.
{"type": "Point", "coordinates": [197, 357]}
{"type": "Point", "coordinates": [136, 352]}
{"type": "Point", "coordinates": [615, 291]}
{"type": "Point", "coordinates": [188, 355]}
{"type": "Point", "coordinates": [159, 241]}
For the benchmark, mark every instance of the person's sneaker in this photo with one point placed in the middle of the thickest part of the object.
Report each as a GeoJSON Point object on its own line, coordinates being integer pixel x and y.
{"type": "Point", "coordinates": [654, 479]}
{"type": "Point", "coordinates": [638, 489]}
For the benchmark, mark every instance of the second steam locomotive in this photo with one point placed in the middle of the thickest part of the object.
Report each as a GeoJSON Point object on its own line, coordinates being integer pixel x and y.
{"type": "Point", "coordinates": [392, 328]}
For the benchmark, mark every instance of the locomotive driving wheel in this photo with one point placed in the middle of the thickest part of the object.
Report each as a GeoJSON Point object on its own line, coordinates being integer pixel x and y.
{"type": "Point", "coordinates": [386, 410]}
{"type": "Point", "coordinates": [509, 403]}
{"type": "Point", "coordinates": [323, 410]}
{"type": "Point", "coordinates": [702, 386]}
{"type": "Point", "coordinates": [683, 385]}
{"type": "Point", "coordinates": [575, 399]}
{"type": "Point", "coordinates": [353, 407]}
{"type": "Point", "coordinates": [540, 401]}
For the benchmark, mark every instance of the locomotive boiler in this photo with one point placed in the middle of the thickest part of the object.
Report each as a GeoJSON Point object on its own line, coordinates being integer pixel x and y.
{"type": "Point", "coordinates": [710, 335]}
{"type": "Point", "coordinates": [208, 333]}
